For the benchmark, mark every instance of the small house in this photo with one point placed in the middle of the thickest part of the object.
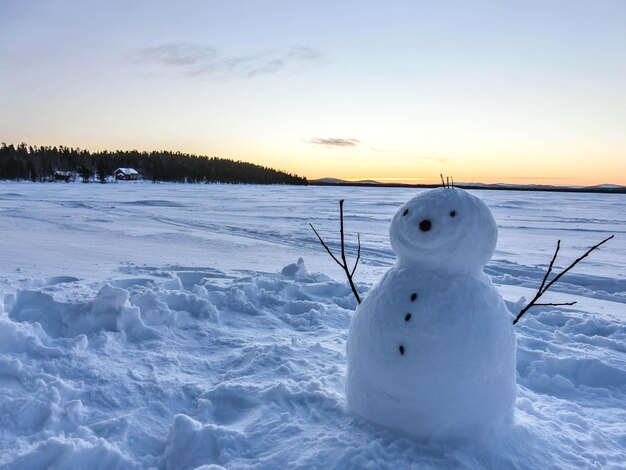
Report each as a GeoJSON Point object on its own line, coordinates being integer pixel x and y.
{"type": "Point", "coordinates": [66, 176]}
{"type": "Point", "coordinates": [126, 174]}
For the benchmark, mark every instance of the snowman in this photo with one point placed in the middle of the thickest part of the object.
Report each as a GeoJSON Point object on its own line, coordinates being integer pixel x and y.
{"type": "Point", "coordinates": [431, 350]}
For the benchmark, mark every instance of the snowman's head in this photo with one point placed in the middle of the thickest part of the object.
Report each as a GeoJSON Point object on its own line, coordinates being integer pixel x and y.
{"type": "Point", "coordinates": [444, 229]}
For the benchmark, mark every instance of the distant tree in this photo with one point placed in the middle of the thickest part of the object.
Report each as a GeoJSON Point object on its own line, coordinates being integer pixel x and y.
{"type": "Point", "coordinates": [103, 171]}
{"type": "Point", "coordinates": [31, 171]}
{"type": "Point", "coordinates": [85, 173]}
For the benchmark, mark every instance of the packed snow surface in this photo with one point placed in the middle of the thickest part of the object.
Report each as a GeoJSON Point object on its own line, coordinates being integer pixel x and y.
{"type": "Point", "coordinates": [431, 349]}
{"type": "Point", "coordinates": [175, 326]}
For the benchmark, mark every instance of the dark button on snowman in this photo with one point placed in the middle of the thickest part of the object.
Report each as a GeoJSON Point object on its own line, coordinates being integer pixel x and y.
{"type": "Point", "coordinates": [431, 350]}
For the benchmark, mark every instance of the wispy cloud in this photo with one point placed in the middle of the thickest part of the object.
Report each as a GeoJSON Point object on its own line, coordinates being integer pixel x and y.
{"type": "Point", "coordinates": [182, 55]}
{"type": "Point", "coordinates": [304, 53]}
{"type": "Point", "coordinates": [187, 60]}
{"type": "Point", "coordinates": [334, 142]}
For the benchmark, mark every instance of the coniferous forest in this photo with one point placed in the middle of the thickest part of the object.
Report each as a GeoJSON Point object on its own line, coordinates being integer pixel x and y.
{"type": "Point", "coordinates": [25, 162]}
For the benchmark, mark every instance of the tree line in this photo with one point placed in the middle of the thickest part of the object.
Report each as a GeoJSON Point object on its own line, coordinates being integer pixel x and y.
{"type": "Point", "coordinates": [26, 162]}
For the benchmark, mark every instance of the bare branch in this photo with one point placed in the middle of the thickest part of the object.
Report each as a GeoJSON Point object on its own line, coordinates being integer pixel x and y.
{"type": "Point", "coordinates": [545, 278]}
{"type": "Point", "coordinates": [325, 246]}
{"type": "Point", "coordinates": [442, 181]}
{"type": "Point", "coordinates": [543, 289]}
{"type": "Point", "coordinates": [358, 253]}
{"type": "Point", "coordinates": [578, 260]}
{"type": "Point", "coordinates": [343, 263]}
{"type": "Point", "coordinates": [556, 305]}
{"type": "Point", "coordinates": [343, 251]}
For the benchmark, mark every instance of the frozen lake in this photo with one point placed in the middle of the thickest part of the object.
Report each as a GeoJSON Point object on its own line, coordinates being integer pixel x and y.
{"type": "Point", "coordinates": [264, 227]}
{"type": "Point", "coordinates": [148, 325]}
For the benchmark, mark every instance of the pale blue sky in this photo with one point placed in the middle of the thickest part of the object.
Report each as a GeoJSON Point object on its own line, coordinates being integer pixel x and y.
{"type": "Point", "coordinates": [483, 90]}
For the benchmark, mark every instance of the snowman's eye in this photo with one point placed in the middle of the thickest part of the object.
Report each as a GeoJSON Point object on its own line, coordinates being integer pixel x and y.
{"type": "Point", "coordinates": [452, 213]}
{"type": "Point", "coordinates": [406, 211]}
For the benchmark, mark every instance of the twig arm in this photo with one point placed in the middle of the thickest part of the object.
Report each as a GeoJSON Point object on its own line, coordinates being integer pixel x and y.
{"type": "Point", "coordinates": [556, 305]}
{"type": "Point", "coordinates": [541, 289]}
{"type": "Point", "coordinates": [545, 278]}
{"type": "Point", "coordinates": [353, 287]}
{"type": "Point", "coordinates": [343, 250]}
{"type": "Point", "coordinates": [544, 287]}
{"type": "Point", "coordinates": [358, 253]}
{"type": "Point", "coordinates": [326, 246]}
{"type": "Point", "coordinates": [343, 263]}
{"type": "Point", "coordinates": [578, 260]}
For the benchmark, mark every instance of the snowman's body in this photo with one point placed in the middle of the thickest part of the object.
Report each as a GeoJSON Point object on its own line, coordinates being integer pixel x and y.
{"type": "Point", "coordinates": [431, 350]}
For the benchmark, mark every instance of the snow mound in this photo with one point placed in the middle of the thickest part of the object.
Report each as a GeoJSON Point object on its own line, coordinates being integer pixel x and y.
{"type": "Point", "coordinates": [74, 454]}
{"type": "Point", "coordinates": [108, 311]}
{"type": "Point", "coordinates": [297, 269]}
{"type": "Point", "coordinates": [25, 338]}
{"type": "Point", "coordinates": [160, 306]}
{"type": "Point", "coordinates": [191, 444]}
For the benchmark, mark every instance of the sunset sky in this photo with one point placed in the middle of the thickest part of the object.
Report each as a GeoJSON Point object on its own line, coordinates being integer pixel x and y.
{"type": "Point", "coordinates": [489, 91]}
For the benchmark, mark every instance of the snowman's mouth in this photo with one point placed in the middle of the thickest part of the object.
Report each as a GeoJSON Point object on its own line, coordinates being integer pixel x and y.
{"type": "Point", "coordinates": [430, 237]}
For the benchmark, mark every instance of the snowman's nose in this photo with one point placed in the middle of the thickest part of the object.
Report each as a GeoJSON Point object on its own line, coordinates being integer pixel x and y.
{"type": "Point", "coordinates": [425, 225]}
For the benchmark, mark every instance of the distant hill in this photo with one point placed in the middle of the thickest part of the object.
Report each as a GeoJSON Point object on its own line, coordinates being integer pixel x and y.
{"type": "Point", "coordinates": [601, 188]}
{"type": "Point", "coordinates": [339, 181]}
{"type": "Point", "coordinates": [25, 162]}
{"type": "Point", "coordinates": [607, 187]}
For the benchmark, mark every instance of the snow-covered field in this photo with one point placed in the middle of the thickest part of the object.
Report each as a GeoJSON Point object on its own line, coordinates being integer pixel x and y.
{"type": "Point", "coordinates": [153, 325]}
